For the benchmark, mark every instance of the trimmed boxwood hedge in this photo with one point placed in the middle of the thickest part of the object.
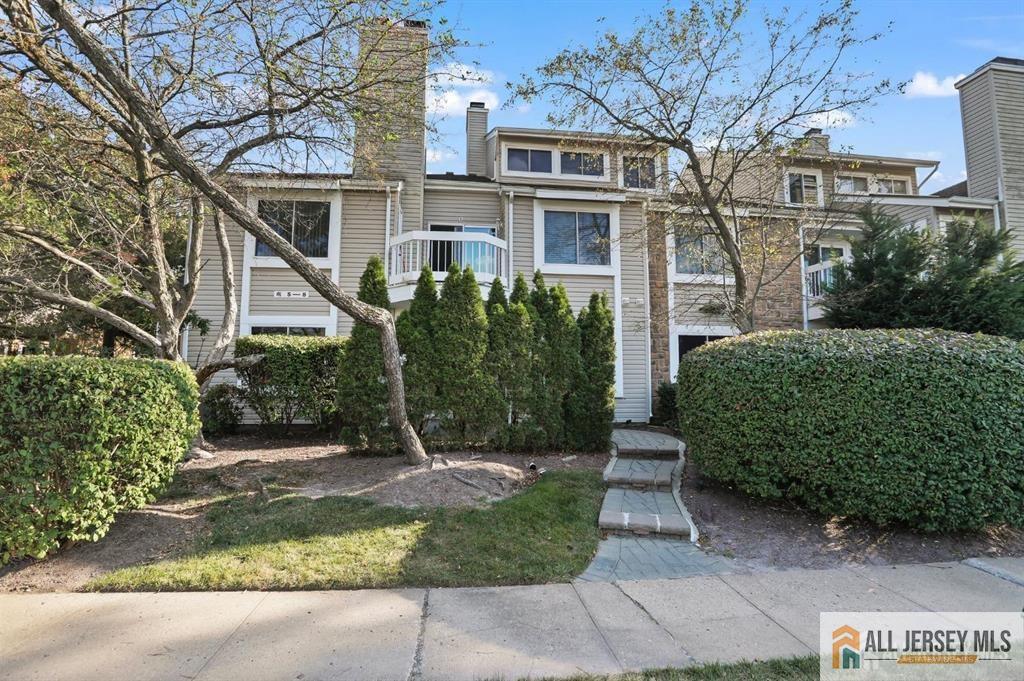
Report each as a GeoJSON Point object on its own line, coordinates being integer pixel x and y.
{"type": "Point", "coordinates": [298, 377]}
{"type": "Point", "coordinates": [82, 439]}
{"type": "Point", "coordinates": [914, 427]}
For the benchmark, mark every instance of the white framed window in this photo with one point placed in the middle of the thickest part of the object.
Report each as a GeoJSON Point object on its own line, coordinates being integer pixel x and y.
{"type": "Point", "coordinates": [639, 172]}
{"type": "Point", "coordinates": [803, 187]}
{"type": "Point", "coordinates": [892, 185]}
{"type": "Point", "coordinates": [696, 259]}
{"type": "Point", "coordinates": [852, 184]}
{"type": "Point", "coordinates": [684, 338]}
{"type": "Point", "coordinates": [306, 225]}
{"type": "Point", "coordinates": [576, 237]}
{"type": "Point", "coordinates": [549, 160]}
{"type": "Point", "coordinates": [288, 330]}
{"type": "Point", "coordinates": [521, 160]}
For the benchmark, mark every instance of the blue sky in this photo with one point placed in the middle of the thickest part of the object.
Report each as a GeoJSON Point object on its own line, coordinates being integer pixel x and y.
{"type": "Point", "coordinates": [929, 45]}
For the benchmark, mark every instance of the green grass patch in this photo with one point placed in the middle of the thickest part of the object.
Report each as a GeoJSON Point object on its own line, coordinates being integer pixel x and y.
{"type": "Point", "coordinates": [548, 533]}
{"type": "Point", "coordinates": [788, 669]}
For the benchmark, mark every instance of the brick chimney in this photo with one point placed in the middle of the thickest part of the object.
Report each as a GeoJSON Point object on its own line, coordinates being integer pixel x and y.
{"type": "Point", "coordinates": [817, 142]}
{"type": "Point", "coordinates": [476, 145]}
{"type": "Point", "coordinates": [390, 133]}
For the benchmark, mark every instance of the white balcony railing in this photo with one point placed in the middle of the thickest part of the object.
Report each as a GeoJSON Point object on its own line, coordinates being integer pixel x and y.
{"type": "Point", "coordinates": [817, 280]}
{"type": "Point", "coordinates": [487, 255]}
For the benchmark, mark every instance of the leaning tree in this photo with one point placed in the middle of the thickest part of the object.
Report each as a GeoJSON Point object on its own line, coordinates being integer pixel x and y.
{"type": "Point", "coordinates": [725, 96]}
{"type": "Point", "coordinates": [190, 92]}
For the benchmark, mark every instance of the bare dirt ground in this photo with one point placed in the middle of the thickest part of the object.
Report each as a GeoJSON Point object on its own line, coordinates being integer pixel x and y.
{"type": "Point", "coordinates": [310, 466]}
{"type": "Point", "coordinates": [779, 535]}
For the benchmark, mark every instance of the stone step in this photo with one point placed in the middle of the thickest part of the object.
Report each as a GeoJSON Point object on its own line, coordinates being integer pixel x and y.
{"type": "Point", "coordinates": [645, 444]}
{"type": "Point", "coordinates": [642, 513]}
{"type": "Point", "coordinates": [643, 474]}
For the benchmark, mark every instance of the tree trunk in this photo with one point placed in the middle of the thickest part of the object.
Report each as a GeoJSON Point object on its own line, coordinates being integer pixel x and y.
{"type": "Point", "coordinates": [151, 119]}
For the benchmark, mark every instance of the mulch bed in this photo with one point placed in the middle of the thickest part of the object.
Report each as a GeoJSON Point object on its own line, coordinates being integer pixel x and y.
{"type": "Point", "coordinates": [304, 464]}
{"type": "Point", "coordinates": [766, 534]}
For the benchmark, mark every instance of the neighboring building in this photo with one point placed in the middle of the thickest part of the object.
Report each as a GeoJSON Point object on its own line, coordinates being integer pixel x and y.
{"type": "Point", "coordinates": [571, 204]}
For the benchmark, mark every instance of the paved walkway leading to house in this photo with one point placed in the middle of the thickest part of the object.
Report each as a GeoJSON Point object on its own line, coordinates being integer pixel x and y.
{"type": "Point", "coordinates": [469, 634]}
{"type": "Point", "coordinates": [649, 528]}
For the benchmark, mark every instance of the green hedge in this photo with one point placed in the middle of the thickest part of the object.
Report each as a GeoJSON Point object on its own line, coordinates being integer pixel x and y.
{"type": "Point", "coordinates": [85, 438]}
{"type": "Point", "coordinates": [917, 427]}
{"type": "Point", "coordinates": [298, 377]}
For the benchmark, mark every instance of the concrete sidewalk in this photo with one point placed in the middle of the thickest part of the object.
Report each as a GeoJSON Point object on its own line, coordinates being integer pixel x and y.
{"type": "Point", "coordinates": [500, 632]}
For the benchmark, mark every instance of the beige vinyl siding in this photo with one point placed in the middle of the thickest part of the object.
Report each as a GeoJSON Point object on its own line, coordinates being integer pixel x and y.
{"type": "Point", "coordinates": [977, 117]}
{"type": "Point", "coordinates": [453, 207]}
{"type": "Point", "coordinates": [909, 215]}
{"type": "Point", "coordinates": [363, 228]}
{"type": "Point", "coordinates": [264, 281]}
{"type": "Point", "coordinates": [634, 404]}
{"type": "Point", "coordinates": [687, 299]}
{"type": "Point", "coordinates": [476, 147]}
{"type": "Point", "coordinates": [492, 155]}
{"type": "Point", "coordinates": [545, 180]}
{"type": "Point", "coordinates": [209, 302]}
{"type": "Point", "coordinates": [1009, 102]}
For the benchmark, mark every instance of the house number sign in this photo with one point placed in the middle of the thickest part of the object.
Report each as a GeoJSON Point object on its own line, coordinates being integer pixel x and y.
{"type": "Point", "coordinates": [291, 294]}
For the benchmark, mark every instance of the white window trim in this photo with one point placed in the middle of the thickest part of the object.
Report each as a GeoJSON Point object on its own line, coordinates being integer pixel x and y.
{"type": "Point", "coordinates": [613, 271]}
{"type": "Point", "coordinates": [539, 206]}
{"type": "Point", "coordinates": [556, 162]}
{"type": "Point", "coordinates": [331, 262]}
{"type": "Point", "coordinates": [676, 330]}
{"type": "Point", "coordinates": [804, 171]}
{"type": "Point", "coordinates": [835, 183]}
{"type": "Point", "coordinates": [691, 278]}
{"type": "Point", "coordinates": [333, 234]}
{"type": "Point", "coordinates": [657, 174]}
{"type": "Point", "coordinates": [873, 183]}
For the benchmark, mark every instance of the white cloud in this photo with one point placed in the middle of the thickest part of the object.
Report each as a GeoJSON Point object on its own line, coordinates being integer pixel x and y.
{"type": "Point", "coordinates": [455, 102]}
{"type": "Point", "coordinates": [926, 84]}
{"type": "Point", "coordinates": [439, 155]}
{"type": "Point", "coordinates": [930, 155]}
{"type": "Point", "coordinates": [832, 119]}
{"type": "Point", "coordinates": [523, 108]}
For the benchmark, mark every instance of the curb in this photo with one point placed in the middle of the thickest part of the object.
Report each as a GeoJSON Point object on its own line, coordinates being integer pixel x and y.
{"type": "Point", "coordinates": [994, 570]}
{"type": "Point", "coordinates": [677, 483]}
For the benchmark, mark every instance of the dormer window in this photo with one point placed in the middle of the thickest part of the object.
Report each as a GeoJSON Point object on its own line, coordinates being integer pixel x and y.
{"type": "Point", "coordinates": [529, 160]}
{"type": "Point", "coordinates": [638, 172]}
{"type": "Point", "coordinates": [888, 185]}
{"type": "Point", "coordinates": [803, 188]}
{"type": "Point", "coordinates": [582, 163]}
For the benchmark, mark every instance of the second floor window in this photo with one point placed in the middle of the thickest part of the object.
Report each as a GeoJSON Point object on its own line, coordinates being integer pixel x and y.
{"type": "Point", "coordinates": [803, 188]}
{"type": "Point", "coordinates": [887, 185]}
{"type": "Point", "coordinates": [699, 254]}
{"type": "Point", "coordinates": [529, 160]}
{"type": "Point", "coordinates": [851, 184]}
{"type": "Point", "coordinates": [572, 238]}
{"type": "Point", "coordinates": [581, 163]}
{"type": "Point", "coordinates": [638, 172]}
{"type": "Point", "coordinates": [306, 225]}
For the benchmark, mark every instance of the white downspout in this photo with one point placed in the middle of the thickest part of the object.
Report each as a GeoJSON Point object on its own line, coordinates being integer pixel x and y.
{"type": "Point", "coordinates": [398, 199]}
{"type": "Point", "coordinates": [803, 280]}
{"type": "Point", "coordinates": [387, 235]}
{"type": "Point", "coordinates": [508, 238]}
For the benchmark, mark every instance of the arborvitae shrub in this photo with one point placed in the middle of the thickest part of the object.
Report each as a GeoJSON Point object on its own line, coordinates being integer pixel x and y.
{"type": "Point", "coordinates": [591, 403]}
{"type": "Point", "coordinates": [415, 329]}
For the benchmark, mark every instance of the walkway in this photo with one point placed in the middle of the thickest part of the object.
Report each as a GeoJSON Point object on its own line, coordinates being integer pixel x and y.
{"type": "Point", "coordinates": [649, 529]}
{"type": "Point", "coordinates": [468, 634]}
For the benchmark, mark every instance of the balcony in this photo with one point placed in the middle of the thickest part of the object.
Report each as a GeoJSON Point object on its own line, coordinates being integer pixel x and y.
{"type": "Point", "coordinates": [409, 252]}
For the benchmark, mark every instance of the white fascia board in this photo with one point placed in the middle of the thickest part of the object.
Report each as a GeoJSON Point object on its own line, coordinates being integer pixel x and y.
{"type": "Point", "coordinates": [571, 195]}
